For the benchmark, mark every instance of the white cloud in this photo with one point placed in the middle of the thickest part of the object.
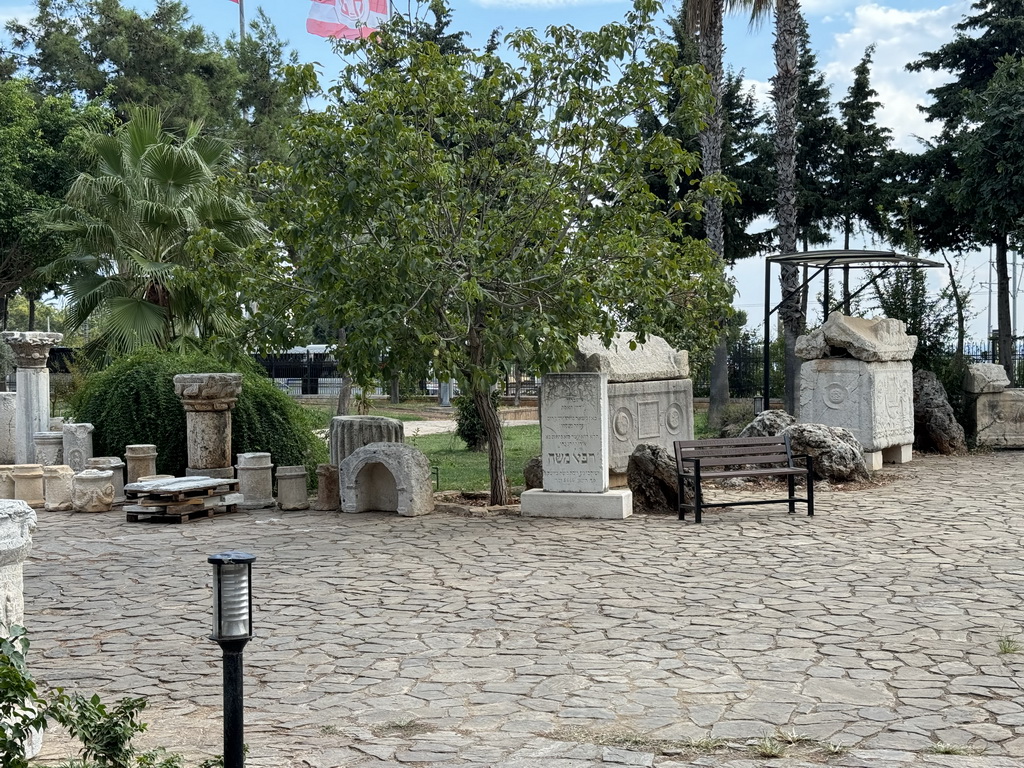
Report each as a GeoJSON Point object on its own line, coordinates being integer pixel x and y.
{"type": "Point", "coordinates": [546, 4]}
{"type": "Point", "coordinates": [20, 13]}
{"type": "Point", "coordinates": [899, 36]}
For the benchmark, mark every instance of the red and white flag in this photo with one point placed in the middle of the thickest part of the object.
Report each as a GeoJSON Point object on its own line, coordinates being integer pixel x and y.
{"type": "Point", "coordinates": [349, 19]}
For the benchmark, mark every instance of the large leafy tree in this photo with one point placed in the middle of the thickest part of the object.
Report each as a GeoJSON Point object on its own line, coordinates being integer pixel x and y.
{"type": "Point", "coordinates": [465, 209]}
{"type": "Point", "coordinates": [982, 40]}
{"type": "Point", "coordinates": [149, 233]}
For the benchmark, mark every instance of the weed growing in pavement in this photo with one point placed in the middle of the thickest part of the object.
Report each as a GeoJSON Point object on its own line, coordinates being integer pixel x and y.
{"type": "Point", "coordinates": [330, 730]}
{"type": "Point", "coordinates": [942, 748]}
{"type": "Point", "coordinates": [405, 728]}
{"type": "Point", "coordinates": [767, 746]}
{"type": "Point", "coordinates": [1009, 644]}
{"type": "Point", "coordinates": [834, 749]}
{"type": "Point", "coordinates": [706, 745]}
{"type": "Point", "coordinates": [792, 737]}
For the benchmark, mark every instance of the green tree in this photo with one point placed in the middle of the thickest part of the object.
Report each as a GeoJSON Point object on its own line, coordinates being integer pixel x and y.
{"type": "Point", "coordinates": [472, 211]}
{"type": "Point", "coordinates": [149, 233]}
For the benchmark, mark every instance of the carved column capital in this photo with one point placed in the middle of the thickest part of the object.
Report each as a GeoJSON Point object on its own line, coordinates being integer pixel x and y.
{"type": "Point", "coordinates": [208, 391]}
{"type": "Point", "coordinates": [31, 348]}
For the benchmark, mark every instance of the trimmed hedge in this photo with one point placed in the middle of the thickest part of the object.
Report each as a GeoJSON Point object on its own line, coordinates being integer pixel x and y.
{"type": "Point", "coordinates": [133, 401]}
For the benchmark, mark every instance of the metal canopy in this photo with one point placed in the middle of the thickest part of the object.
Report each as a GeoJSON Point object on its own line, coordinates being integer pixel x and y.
{"type": "Point", "coordinates": [824, 261]}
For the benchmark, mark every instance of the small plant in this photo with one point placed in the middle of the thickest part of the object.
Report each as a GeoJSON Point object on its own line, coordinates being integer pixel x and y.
{"type": "Point", "coordinates": [1009, 644]}
{"type": "Point", "coordinates": [406, 728]}
{"type": "Point", "coordinates": [469, 425]}
{"type": "Point", "coordinates": [706, 745]}
{"type": "Point", "coordinates": [792, 737]}
{"type": "Point", "coordinates": [330, 730]}
{"type": "Point", "coordinates": [834, 748]}
{"type": "Point", "coordinates": [106, 734]}
{"type": "Point", "coordinates": [768, 746]}
{"type": "Point", "coordinates": [943, 748]}
{"type": "Point", "coordinates": [22, 711]}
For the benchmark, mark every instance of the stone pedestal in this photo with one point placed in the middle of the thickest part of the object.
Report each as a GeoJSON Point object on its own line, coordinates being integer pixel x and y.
{"type": "Point", "coordinates": [349, 433]}
{"type": "Point", "coordinates": [386, 477]}
{"type": "Point", "coordinates": [92, 490]}
{"type": "Point", "coordinates": [208, 399]}
{"type": "Point", "coordinates": [6, 481]}
{"type": "Point", "coordinates": [28, 484]}
{"type": "Point", "coordinates": [49, 448]}
{"type": "Point", "coordinates": [8, 410]}
{"type": "Point", "coordinates": [141, 461]}
{"type": "Point", "coordinates": [328, 495]}
{"type": "Point", "coordinates": [77, 445]}
{"type": "Point", "coordinates": [57, 487]}
{"type": "Point", "coordinates": [256, 480]}
{"type": "Point", "coordinates": [17, 521]}
{"type": "Point", "coordinates": [116, 466]}
{"type": "Point", "coordinates": [31, 349]}
{"type": "Point", "coordinates": [291, 488]}
{"type": "Point", "coordinates": [574, 451]}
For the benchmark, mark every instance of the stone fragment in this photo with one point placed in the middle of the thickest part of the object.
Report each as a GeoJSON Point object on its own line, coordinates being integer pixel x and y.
{"type": "Point", "coordinates": [28, 484]}
{"type": "Point", "coordinates": [291, 488]}
{"type": "Point", "coordinates": [49, 448]}
{"type": "Point", "coordinates": [996, 419]}
{"type": "Point", "coordinates": [31, 350]}
{"type": "Point", "coordinates": [256, 480]}
{"type": "Point", "coordinates": [116, 466]}
{"type": "Point", "coordinates": [653, 480]}
{"type": "Point", "coordinates": [152, 478]}
{"type": "Point", "coordinates": [8, 409]}
{"type": "Point", "coordinates": [6, 481]}
{"type": "Point", "coordinates": [77, 445]}
{"type": "Point", "coordinates": [208, 399]}
{"type": "Point", "coordinates": [141, 460]}
{"type": "Point", "coordinates": [57, 423]}
{"type": "Point", "coordinates": [386, 477]}
{"type": "Point", "coordinates": [57, 487]}
{"type": "Point", "coordinates": [836, 453]}
{"type": "Point", "coordinates": [328, 490]}
{"type": "Point", "coordinates": [653, 360]}
{"type": "Point", "coordinates": [533, 473]}
{"type": "Point", "coordinates": [875, 340]}
{"type": "Point", "coordinates": [92, 490]}
{"type": "Point", "coordinates": [812, 346]}
{"type": "Point", "coordinates": [985, 378]}
{"type": "Point", "coordinates": [171, 484]}
{"type": "Point", "coordinates": [17, 522]}
{"type": "Point", "coordinates": [935, 425]}
{"type": "Point", "coordinates": [768, 424]}
{"type": "Point", "coordinates": [349, 433]}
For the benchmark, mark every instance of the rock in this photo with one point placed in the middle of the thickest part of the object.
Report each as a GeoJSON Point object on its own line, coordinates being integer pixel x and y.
{"type": "Point", "coordinates": [878, 340]}
{"type": "Point", "coordinates": [812, 346]}
{"type": "Point", "coordinates": [654, 360]}
{"type": "Point", "coordinates": [653, 479]}
{"type": "Point", "coordinates": [768, 423]}
{"type": "Point", "coordinates": [935, 426]}
{"type": "Point", "coordinates": [982, 378]}
{"type": "Point", "coordinates": [533, 472]}
{"type": "Point", "coordinates": [837, 455]}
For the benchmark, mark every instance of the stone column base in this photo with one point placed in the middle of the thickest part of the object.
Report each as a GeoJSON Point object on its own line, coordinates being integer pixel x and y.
{"type": "Point", "coordinates": [898, 454]}
{"type": "Point", "coordinates": [221, 473]}
{"type": "Point", "coordinates": [616, 504]}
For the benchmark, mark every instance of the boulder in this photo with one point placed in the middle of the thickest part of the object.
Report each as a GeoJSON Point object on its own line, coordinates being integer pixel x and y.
{"type": "Point", "coordinates": [837, 455]}
{"type": "Point", "coordinates": [653, 479]}
{"type": "Point", "coordinates": [878, 340]}
{"type": "Point", "coordinates": [812, 346]}
{"type": "Point", "coordinates": [768, 423]}
{"type": "Point", "coordinates": [935, 426]}
{"type": "Point", "coordinates": [533, 472]}
{"type": "Point", "coordinates": [983, 379]}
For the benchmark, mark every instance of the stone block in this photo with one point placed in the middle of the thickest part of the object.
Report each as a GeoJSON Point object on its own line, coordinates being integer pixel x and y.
{"type": "Point", "coordinates": [898, 454]}
{"type": "Point", "coordinates": [6, 481]}
{"type": "Point", "coordinates": [349, 433]}
{"type": "Point", "coordinates": [31, 350]}
{"type": "Point", "coordinates": [28, 484]}
{"type": "Point", "coordinates": [647, 412]}
{"type": "Point", "coordinates": [386, 477]}
{"type": "Point", "coordinates": [999, 419]}
{"type": "Point", "coordinates": [8, 408]}
{"type": "Point", "coordinates": [208, 399]}
{"type": "Point", "coordinates": [291, 488]}
{"type": "Point", "coordinates": [653, 360]}
{"type": "Point", "coordinates": [328, 492]}
{"type": "Point", "coordinates": [574, 427]}
{"type": "Point", "coordinates": [874, 401]}
{"type": "Point", "coordinates": [77, 445]}
{"type": "Point", "coordinates": [875, 340]}
{"type": "Point", "coordinates": [615, 504]}
{"type": "Point", "coordinates": [985, 378]}
{"type": "Point", "coordinates": [57, 487]}
{"type": "Point", "coordinates": [17, 522]}
{"type": "Point", "coordinates": [256, 480]}
{"type": "Point", "coordinates": [141, 460]}
{"type": "Point", "coordinates": [116, 466]}
{"type": "Point", "coordinates": [92, 490]}
{"type": "Point", "coordinates": [49, 448]}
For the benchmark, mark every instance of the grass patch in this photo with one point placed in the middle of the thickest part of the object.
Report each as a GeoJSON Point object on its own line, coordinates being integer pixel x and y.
{"type": "Point", "coordinates": [462, 470]}
{"type": "Point", "coordinates": [942, 748]}
{"type": "Point", "coordinates": [768, 746]}
{"type": "Point", "coordinates": [1009, 644]}
{"type": "Point", "coordinates": [403, 728]}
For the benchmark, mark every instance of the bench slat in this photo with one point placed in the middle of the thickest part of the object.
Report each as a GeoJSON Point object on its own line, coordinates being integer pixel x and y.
{"type": "Point", "coordinates": [731, 461]}
{"type": "Point", "coordinates": [760, 472]}
{"type": "Point", "coordinates": [768, 450]}
{"type": "Point", "coordinates": [720, 442]}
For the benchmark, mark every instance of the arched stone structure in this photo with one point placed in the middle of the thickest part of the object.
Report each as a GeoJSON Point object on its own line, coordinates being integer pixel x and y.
{"type": "Point", "coordinates": [386, 477]}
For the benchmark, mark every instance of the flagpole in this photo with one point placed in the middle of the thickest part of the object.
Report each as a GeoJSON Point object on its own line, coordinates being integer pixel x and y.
{"type": "Point", "coordinates": [241, 20]}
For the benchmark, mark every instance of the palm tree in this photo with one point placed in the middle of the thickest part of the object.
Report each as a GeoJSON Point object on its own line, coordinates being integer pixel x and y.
{"type": "Point", "coordinates": [146, 231]}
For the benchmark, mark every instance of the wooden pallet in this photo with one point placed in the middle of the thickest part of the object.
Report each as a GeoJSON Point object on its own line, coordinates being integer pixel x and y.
{"type": "Point", "coordinates": [159, 508]}
{"type": "Point", "coordinates": [157, 515]}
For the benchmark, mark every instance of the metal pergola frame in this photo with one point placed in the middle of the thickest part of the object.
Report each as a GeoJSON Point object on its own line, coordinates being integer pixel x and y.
{"type": "Point", "coordinates": [825, 261]}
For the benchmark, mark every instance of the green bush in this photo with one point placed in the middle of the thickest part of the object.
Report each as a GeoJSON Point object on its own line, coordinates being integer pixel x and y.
{"type": "Point", "coordinates": [133, 401]}
{"type": "Point", "coordinates": [468, 424]}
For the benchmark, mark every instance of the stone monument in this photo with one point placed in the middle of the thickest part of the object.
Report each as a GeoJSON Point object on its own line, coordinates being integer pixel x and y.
{"type": "Point", "coordinates": [57, 487]}
{"type": "Point", "coordinates": [141, 461]}
{"type": "Point", "coordinates": [28, 484]}
{"type": "Point", "coordinates": [386, 477]}
{"type": "Point", "coordinates": [8, 409]}
{"type": "Point", "coordinates": [116, 466]}
{"type": "Point", "coordinates": [995, 411]}
{"type": "Point", "coordinates": [291, 488]}
{"type": "Point", "coordinates": [77, 445]}
{"type": "Point", "coordinates": [347, 433]}
{"type": "Point", "coordinates": [255, 480]}
{"type": "Point", "coordinates": [650, 395]}
{"type": "Point", "coordinates": [6, 481]}
{"type": "Point", "coordinates": [574, 438]}
{"type": "Point", "coordinates": [208, 399]}
{"type": "Point", "coordinates": [857, 375]}
{"type": "Point", "coordinates": [17, 521]}
{"type": "Point", "coordinates": [328, 493]}
{"type": "Point", "coordinates": [49, 448]}
{"type": "Point", "coordinates": [92, 490]}
{"type": "Point", "coordinates": [31, 350]}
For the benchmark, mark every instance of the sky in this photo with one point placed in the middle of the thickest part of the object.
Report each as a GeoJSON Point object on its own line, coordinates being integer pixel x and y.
{"type": "Point", "coordinates": [840, 31]}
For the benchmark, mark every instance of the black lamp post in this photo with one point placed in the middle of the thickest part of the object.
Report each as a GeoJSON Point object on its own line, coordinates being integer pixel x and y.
{"type": "Point", "coordinates": [232, 629]}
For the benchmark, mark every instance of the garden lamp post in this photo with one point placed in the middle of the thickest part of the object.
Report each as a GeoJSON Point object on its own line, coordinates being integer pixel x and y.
{"type": "Point", "coordinates": [232, 629]}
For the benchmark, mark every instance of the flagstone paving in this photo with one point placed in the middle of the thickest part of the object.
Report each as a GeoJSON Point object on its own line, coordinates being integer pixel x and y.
{"type": "Point", "coordinates": [531, 643]}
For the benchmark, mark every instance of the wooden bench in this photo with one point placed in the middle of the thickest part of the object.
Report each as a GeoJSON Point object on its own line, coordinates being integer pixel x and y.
{"type": "Point", "coordinates": [699, 460]}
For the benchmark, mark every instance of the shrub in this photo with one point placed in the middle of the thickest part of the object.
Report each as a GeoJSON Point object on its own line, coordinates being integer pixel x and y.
{"type": "Point", "coordinates": [468, 424]}
{"type": "Point", "coordinates": [133, 401]}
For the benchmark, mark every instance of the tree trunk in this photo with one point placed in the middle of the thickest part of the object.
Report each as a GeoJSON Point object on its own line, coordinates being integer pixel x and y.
{"type": "Point", "coordinates": [345, 391]}
{"type": "Point", "coordinates": [961, 311]}
{"type": "Point", "coordinates": [719, 385]}
{"type": "Point", "coordinates": [3, 313]}
{"type": "Point", "coordinates": [31, 314]}
{"type": "Point", "coordinates": [395, 393]}
{"type": "Point", "coordinates": [784, 92]}
{"type": "Point", "coordinates": [500, 493]}
{"type": "Point", "coordinates": [1005, 333]}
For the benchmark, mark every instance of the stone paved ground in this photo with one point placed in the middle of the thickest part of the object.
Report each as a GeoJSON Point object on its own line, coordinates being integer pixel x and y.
{"type": "Point", "coordinates": [532, 643]}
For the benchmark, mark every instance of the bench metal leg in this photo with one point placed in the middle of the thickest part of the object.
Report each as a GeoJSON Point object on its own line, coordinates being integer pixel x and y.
{"type": "Point", "coordinates": [681, 500]}
{"type": "Point", "coordinates": [792, 493]}
{"type": "Point", "coordinates": [810, 487]}
{"type": "Point", "coordinates": [698, 494]}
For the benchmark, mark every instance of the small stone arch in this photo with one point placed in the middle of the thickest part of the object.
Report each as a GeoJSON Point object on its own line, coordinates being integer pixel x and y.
{"type": "Point", "coordinates": [386, 477]}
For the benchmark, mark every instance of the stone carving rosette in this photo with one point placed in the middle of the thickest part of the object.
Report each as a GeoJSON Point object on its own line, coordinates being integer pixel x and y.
{"type": "Point", "coordinates": [77, 445]}
{"type": "Point", "coordinates": [49, 448]}
{"type": "Point", "coordinates": [92, 490]}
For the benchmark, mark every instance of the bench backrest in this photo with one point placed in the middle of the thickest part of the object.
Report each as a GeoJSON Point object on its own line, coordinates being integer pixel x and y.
{"type": "Point", "coordinates": [730, 451]}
